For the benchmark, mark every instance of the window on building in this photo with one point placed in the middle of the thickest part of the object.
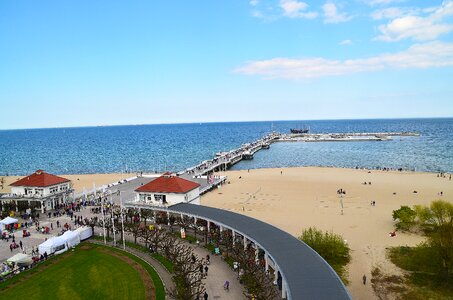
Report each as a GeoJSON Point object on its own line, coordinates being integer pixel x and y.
{"type": "Point", "coordinates": [160, 197]}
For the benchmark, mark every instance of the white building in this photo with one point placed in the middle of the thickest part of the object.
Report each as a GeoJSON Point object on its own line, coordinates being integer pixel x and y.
{"type": "Point", "coordinates": [47, 189]}
{"type": "Point", "coordinates": [168, 190]}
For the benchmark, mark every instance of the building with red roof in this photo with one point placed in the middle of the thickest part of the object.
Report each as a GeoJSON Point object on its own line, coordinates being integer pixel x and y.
{"type": "Point", "coordinates": [47, 189]}
{"type": "Point", "coordinates": [169, 189]}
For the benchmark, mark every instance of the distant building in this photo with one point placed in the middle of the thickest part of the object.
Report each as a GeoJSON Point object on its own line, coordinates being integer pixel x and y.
{"type": "Point", "coordinates": [47, 189]}
{"type": "Point", "coordinates": [169, 190]}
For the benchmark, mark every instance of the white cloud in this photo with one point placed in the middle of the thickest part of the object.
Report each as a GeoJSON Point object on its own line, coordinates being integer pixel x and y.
{"type": "Point", "coordinates": [331, 14]}
{"type": "Point", "coordinates": [382, 2]}
{"type": "Point", "coordinates": [296, 9]}
{"type": "Point", "coordinates": [419, 28]}
{"type": "Point", "coordinates": [254, 2]}
{"type": "Point", "coordinates": [345, 42]}
{"type": "Point", "coordinates": [426, 55]}
{"type": "Point", "coordinates": [388, 13]}
{"type": "Point", "coordinates": [257, 14]}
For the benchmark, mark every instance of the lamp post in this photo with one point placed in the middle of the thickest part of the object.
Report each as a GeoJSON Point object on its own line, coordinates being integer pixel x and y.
{"type": "Point", "coordinates": [122, 222]}
{"type": "Point", "coordinates": [103, 219]}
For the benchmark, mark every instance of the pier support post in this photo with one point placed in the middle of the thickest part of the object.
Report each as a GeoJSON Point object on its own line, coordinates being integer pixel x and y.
{"type": "Point", "coordinates": [233, 233]}
{"type": "Point", "coordinates": [284, 294]}
{"type": "Point", "coordinates": [245, 243]}
{"type": "Point", "coordinates": [256, 254]}
{"type": "Point", "coordinates": [266, 262]}
{"type": "Point", "coordinates": [168, 218]}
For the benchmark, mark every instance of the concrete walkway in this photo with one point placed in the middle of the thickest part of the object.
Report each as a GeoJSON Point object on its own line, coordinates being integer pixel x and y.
{"type": "Point", "coordinates": [219, 271]}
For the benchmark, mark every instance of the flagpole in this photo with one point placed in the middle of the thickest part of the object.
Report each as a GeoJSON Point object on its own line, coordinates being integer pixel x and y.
{"type": "Point", "coordinates": [122, 221]}
{"type": "Point", "coordinates": [103, 218]}
{"type": "Point", "coordinates": [113, 219]}
{"type": "Point", "coordinates": [114, 235]}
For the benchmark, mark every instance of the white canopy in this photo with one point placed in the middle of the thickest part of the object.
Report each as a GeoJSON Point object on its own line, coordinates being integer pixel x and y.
{"type": "Point", "coordinates": [52, 245]}
{"type": "Point", "coordinates": [72, 238]}
{"type": "Point", "coordinates": [85, 232]}
{"type": "Point", "coordinates": [8, 221]}
{"type": "Point", "coordinates": [21, 259]}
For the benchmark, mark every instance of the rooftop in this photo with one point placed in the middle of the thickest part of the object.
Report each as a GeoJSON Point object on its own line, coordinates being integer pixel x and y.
{"type": "Point", "coordinates": [168, 183]}
{"type": "Point", "coordinates": [40, 179]}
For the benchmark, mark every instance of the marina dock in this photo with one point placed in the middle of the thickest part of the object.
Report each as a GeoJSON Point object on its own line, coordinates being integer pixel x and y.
{"type": "Point", "coordinates": [344, 137]}
{"type": "Point", "coordinates": [203, 173]}
{"type": "Point", "coordinates": [225, 160]}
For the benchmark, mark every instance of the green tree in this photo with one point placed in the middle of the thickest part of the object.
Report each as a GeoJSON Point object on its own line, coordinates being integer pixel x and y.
{"type": "Point", "coordinates": [437, 222]}
{"type": "Point", "coordinates": [405, 217]}
{"type": "Point", "coordinates": [330, 246]}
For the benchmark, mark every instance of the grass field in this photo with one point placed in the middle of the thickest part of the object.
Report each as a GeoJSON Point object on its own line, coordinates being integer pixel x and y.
{"type": "Point", "coordinates": [89, 272]}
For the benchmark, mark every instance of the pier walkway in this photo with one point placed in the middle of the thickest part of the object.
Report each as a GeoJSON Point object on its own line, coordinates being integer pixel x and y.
{"type": "Point", "coordinates": [203, 173]}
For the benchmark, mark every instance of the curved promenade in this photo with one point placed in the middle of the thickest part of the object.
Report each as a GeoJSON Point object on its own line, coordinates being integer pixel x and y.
{"type": "Point", "coordinates": [304, 274]}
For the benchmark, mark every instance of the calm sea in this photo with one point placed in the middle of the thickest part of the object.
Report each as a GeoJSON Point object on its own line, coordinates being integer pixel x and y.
{"type": "Point", "coordinates": [178, 146]}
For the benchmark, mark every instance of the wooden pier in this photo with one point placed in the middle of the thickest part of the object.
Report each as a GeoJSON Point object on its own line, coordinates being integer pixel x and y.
{"type": "Point", "coordinates": [225, 160]}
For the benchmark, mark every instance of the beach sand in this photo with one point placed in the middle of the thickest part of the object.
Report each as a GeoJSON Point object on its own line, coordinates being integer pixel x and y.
{"type": "Point", "coordinates": [79, 181]}
{"type": "Point", "coordinates": [307, 196]}
{"type": "Point", "coordinates": [303, 197]}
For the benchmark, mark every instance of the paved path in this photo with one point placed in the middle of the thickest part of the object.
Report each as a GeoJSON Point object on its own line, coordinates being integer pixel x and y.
{"type": "Point", "coordinates": [219, 271]}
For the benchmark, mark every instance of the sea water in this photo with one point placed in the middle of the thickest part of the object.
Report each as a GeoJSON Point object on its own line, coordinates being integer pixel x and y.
{"type": "Point", "coordinates": [174, 147]}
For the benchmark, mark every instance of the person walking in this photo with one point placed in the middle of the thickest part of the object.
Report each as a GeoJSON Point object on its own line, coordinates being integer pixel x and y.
{"type": "Point", "coordinates": [364, 279]}
{"type": "Point", "coordinates": [205, 296]}
{"type": "Point", "coordinates": [206, 270]}
{"type": "Point", "coordinates": [226, 285]}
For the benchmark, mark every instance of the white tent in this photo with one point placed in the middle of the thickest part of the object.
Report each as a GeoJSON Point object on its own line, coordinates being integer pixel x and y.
{"type": "Point", "coordinates": [85, 232]}
{"type": "Point", "coordinates": [55, 244]}
{"type": "Point", "coordinates": [7, 221]}
{"type": "Point", "coordinates": [72, 238]}
{"type": "Point", "coordinates": [21, 259]}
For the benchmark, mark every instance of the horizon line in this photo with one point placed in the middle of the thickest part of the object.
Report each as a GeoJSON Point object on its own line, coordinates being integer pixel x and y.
{"type": "Point", "coordinates": [219, 122]}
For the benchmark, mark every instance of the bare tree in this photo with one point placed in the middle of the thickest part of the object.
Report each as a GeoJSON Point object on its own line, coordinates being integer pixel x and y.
{"type": "Point", "coordinates": [157, 238]}
{"type": "Point", "coordinates": [134, 229]}
{"type": "Point", "coordinates": [146, 214]}
{"type": "Point", "coordinates": [258, 284]}
{"type": "Point", "coordinates": [146, 235]}
{"type": "Point", "coordinates": [187, 274]}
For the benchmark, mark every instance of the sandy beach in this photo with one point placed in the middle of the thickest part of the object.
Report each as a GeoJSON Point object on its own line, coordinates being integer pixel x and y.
{"type": "Point", "coordinates": [79, 181]}
{"type": "Point", "coordinates": [296, 198]}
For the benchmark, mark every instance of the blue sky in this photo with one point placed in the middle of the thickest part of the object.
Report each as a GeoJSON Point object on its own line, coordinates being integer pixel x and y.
{"type": "Point", "coordinates": [82, 63]}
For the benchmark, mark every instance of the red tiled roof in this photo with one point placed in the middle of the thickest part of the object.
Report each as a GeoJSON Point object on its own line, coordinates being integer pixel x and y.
{"type": "Point", "coordinates": [168, 184]}
{"type": "Point", "coordinates": [41, 179]}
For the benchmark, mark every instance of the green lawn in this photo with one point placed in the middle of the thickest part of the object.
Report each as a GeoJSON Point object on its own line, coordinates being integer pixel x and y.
{"type": "Point", "coordinates": [88, 272]}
